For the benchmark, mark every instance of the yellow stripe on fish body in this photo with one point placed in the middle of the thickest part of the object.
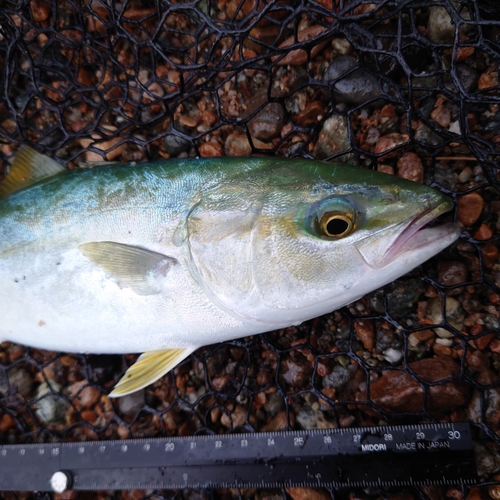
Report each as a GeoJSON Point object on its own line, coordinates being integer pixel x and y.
{"type": "Point", "coordinates": [168, 256]}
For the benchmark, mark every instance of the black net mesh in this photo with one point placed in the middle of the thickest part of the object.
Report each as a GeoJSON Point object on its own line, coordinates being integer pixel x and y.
{"type": "Point", "coordinates": [407, 87]}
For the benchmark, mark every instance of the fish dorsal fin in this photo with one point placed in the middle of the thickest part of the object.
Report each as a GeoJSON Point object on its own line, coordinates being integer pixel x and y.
{"type": "Point", "coordinates": [148, 368]}
{"type": "Point", "coordinates": [29, 166]}
{"type": "Point", "coordinates": [132, 266]}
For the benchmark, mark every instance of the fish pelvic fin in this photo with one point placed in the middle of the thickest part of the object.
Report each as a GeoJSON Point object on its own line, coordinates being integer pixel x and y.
{"type": "Point", "coordinates": [29, 166]}
{"type": "Point", "coordinates": [148, 368]}
{"type": "Point", "coordinates": [132, 266]}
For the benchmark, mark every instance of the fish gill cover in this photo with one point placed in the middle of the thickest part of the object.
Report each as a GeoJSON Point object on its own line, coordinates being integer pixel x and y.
{"type": "Point", "coordinates": [405, 87]}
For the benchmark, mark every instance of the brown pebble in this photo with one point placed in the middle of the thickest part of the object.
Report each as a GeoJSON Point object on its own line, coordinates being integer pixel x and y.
{"type": "Point", "coordinates": [397, 391]}
{"type": "Point", "coordinates": [313, 112]}
{"type": "Point", "coordinates": [442, 116]}
{"type": "Point", "coordinates": [442, 350]}
{"type": "Point", "coordinates": [390, 141]}
{"type": "Point", "coordinates": [365, 333]}
{"type": "Point", "coordinates": [410, 167]}
{"type": "Point", "coordinates": [237, 145]}
{"type": "Point", "coordinates": [470, 206]}
{"type": "Point", "coordinates": [421, 336]}
{"type": "Point", "coordinates": [386, 169]}
{"type": "Point", "coordinates": [483, 233]}
{"type": "Point", "coordinates": [452, 273]}
{"type": "Point", "coordinates": [474, 494]}
{"type": "Point", "coordinates": [454, 493]}
{"type": "Point", "coordinates": [308, 494]}
{"type": "Point", "coordinates": [495, 346]}
{"type": "Point", "coordinates": [478, 361]}
{"type": "Point", "coordinates": [210, 149]}
{"type": "Point", "coordinates": [278, 423]}
{"type": "Point", "coordinates": [264, 377]}
{"type": "Point", "coordinates": [237, 418]}
{"type": "Point", "coordinates": [6, 422]}
{"type": "Point", "coordinates": [482, 342]}
{"type": "Point", "coordinates": [323, 369]}
{"type": "Point", "coordinates": [490, 254]}
{"type": "Point", "coordinates": [494, 489]}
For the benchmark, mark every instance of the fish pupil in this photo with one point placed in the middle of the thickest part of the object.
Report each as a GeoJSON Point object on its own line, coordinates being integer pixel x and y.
{"type": "Point", "coordinates": [336, 226]}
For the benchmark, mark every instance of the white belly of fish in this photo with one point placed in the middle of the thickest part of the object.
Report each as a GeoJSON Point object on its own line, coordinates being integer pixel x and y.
{"type": "Point", "coordinates": [78, 307]}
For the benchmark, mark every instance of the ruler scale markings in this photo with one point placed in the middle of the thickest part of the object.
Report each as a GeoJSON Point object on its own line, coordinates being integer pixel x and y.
{"type": "Point", "coordinates": [367, 456]}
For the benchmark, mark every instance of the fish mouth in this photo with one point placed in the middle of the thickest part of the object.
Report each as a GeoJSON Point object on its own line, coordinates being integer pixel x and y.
{"type": "Point", "coordinates": [415, 235]}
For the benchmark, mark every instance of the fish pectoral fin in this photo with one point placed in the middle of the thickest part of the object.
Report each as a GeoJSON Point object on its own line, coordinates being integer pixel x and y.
{"type": "Point", "coordinates": [148, 368]}
{"type": "Point", "coordinates": [29, 166]}
{"type": "Point", "coordinates": [132, 266]}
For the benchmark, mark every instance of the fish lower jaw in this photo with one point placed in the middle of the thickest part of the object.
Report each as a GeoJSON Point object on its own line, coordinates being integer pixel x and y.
{"type": "Point", "coordinates": [424, 243]}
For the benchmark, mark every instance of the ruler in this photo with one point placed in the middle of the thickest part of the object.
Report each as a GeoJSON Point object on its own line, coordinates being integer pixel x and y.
{"type": "Point", "coordinates": [359, 457]}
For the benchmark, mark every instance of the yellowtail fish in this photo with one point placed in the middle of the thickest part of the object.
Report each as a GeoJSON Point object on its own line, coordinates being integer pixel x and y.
{"type": "Point", "coordinates": [167, 256]}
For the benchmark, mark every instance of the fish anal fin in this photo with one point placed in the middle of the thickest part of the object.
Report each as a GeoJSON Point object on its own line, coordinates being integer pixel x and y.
{"type": "Point", "coordinates": [29, 166]}
{"type": "Point", "coordinates": [148, 368]}
{"type": "Point", "coordinates": [129, 264]}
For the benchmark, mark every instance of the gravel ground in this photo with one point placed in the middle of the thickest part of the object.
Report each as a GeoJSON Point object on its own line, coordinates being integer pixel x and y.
{"type": "Point", "coordinates": [409, 90]}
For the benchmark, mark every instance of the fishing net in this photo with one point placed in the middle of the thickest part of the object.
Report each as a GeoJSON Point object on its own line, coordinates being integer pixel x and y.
{"type": "Point", "coordinates": [406, 87]}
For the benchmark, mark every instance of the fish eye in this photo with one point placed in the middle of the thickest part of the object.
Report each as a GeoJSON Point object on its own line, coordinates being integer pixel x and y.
{"type": "Point", "coordinates": [335, 224]}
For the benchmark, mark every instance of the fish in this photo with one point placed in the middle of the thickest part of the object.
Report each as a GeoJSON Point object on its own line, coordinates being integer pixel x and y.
{"type": "Point", "coordinates": [163, 257]}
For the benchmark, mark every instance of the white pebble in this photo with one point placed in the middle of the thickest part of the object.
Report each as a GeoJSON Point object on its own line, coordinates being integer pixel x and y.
{"type": "Point", "coordinates": [393, 356]}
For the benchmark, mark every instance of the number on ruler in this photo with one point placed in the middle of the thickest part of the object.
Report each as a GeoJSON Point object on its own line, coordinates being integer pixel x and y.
{"type": "Point", "coordinates": [169, 447]}
{"type": "Point", "coordinates": [298, 441]}
{"type": "Point", "coordinates": [454, 434]}
{"type": "Point", "coordinates": [218, 444]}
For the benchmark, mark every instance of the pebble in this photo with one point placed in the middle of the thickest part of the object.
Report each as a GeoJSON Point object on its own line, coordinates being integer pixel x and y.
{"type": "Point", "coordinates": [442, 116]}
{"type": "Point", "coordinates": [389, 142]}
{"type": "Point", "coordinates": [174, 144]}
{"type": "Point", "coordinates": [52, 407]}
{"type": "Point", "coordinates": [440, 28]}
{"type": "Point", "coordinates": [312, 113]}
{"type": "Point", "coordinates": [410, 167]}
{"type": "Point", "coordinates": [427, 137]}
{"type": "Point", "coordinates": [333, 138]}
{"type": "Point", "coordinates": [308, 418]}
{"type": "Point", "coordinates": [20, 380]}
{"type": "Point", "coordinates": [445, 176]}
{"type": "Point", "coordinates": [210, 148]}
{"type": "Point", "coordinates": [455, 315]}
{"type": "Point", "coordinates": [494, 489]}
{"type": "Point", "coordinates": [365, 333]}
{"type": "Point", "coordinates": [452, 273]}
{"type": "Point", "coordinates": [465, 175]}
{"type": "Point", "coordinates": [237, 144]}
{"type": "Point", "coordinates": [278, 423]}
{"type": "Point", "coordinates": [131, 404]}
{"type": "Point", "coordinates": [275, 403]}
{"type": "Point", "coordinates": [469, 207]}
{"type": "Point", "coordinates": [337, 378]}
{"type": "Point", "coordinates": [397, 391]}
{"type": "Point", "coordinates": [267, 124]}
{"type": "Point", "coordinates": [483, 233]}
{"type": "Point", "coordinates": [468, 76]}
{"type": "Point", "coordinates": [490, 254]}
{"type": "Point", "coordinates": [308, 494]}
{"type": "Point", "coordinates": [393, 356]}
{"type": "Point", "coordinates": [401, 298]}
{"type": "Point", "coordinates": [357, 87]}
{"type": "Point", "coordinates": [341, 45]}
{"type": "Point", "coordinates": [296, 371]}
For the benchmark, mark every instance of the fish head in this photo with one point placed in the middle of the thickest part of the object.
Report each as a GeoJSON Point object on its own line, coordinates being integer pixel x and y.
{"type": "Point", "coordinates": [305, 238]}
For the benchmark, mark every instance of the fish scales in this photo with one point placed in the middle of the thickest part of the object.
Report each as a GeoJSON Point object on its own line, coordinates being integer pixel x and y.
{"type": "Point", "coordinates": [168, 256]}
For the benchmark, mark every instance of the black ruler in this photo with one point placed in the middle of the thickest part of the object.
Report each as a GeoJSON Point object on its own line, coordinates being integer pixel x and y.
{"type": "Point", "coordinates": [369, 456]}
